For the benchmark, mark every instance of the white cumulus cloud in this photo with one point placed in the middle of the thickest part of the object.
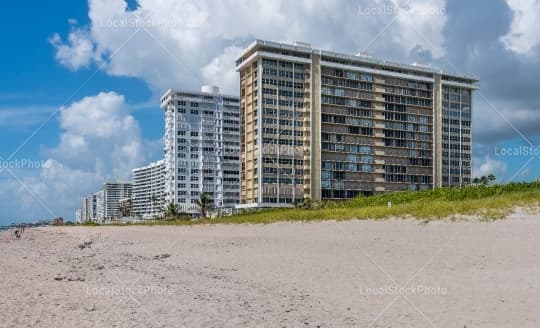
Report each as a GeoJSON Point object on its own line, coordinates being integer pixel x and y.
{"type": "Point", "coordinates": [220, 72]}
{"type": "Point", "coordinates": [77, 52]}
{"type": "Point", "coordinates": [490, 166]}
{"type": "Point", "coordinates": [183, 43]}
{"type": "Point", "coordinates": [524, 33]}
{"type": "Point", "coordinates": [101, 135]}
{"type": "Point", "coordinates": [100, 141]}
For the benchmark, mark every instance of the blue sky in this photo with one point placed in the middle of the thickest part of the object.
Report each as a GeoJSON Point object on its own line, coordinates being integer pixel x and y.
{"type": "Point", "coordinates": [81, 80]}
{"type": "Point", "coordinates": [33, 79]}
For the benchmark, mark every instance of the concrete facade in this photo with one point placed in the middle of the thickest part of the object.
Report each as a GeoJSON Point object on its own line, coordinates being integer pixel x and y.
{"type": "Point", "coordinates": [113, 192]}
{"type": "Point", "coordinates": [104, 204]}
{"type": "Point", "coordinates": [326, 125]}
{"type": "Point", "coordinates": [148, 199]}
{"type": "Point", "coordinates": [201, 148]}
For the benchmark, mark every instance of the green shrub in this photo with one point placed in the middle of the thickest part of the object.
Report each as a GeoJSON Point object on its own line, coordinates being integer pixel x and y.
{"type": "Point", "coordinates": [90, 224]}
{"type": "Point", "coordinates": [488, 202]}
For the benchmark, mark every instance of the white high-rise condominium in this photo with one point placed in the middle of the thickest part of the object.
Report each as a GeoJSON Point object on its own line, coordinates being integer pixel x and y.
{"type": "Point", "coordinates": [202, 144]}
{"type": "Point", "coordinates": [112, 193]}
{"type": "Point", "coordinates": [78, 216]}
{"type": "Point", "coordinates": [104, 204]}
{"type": "Point", "coordinates": [89, 208]}
{"type": "Point", "coordinates": [149, 190]}
{"type": "Point", "coordinates": [99, 205]}
{"type": "Point", "coordinates": [92, 207]}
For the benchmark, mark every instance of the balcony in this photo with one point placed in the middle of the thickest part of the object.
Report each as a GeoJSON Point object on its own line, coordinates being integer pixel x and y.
{"type": "Point", "coordinates": [379, 89]}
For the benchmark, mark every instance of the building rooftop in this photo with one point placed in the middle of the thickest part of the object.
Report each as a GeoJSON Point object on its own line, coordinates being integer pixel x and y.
{"type": "Point", "coordinates": [150, 165]}
{"type": "Point", "coordinates": [208, 91]}
{"type": "Point", "coordinates": [305, 48]}
{"type": "Point", "coordinates": [117, 182]}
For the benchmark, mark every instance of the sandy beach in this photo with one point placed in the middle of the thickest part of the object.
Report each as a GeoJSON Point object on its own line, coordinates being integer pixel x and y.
{"type": "Point", "coordinates": [392, 273]}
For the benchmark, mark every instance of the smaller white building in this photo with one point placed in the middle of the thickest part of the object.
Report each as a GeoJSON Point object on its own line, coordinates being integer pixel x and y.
{"type": "Point", "coordinates": [113, 192]}
{"type": "Point", "coordinates": [88, 208]}
{"type": "Point", "coordinates": [99, 208]}
{"type": "Point", "coordinates": [148, 197]}
{"type": "Point", "coordinates": [201, 148]}
{"type": "Point", "coordinates": [104, 204]}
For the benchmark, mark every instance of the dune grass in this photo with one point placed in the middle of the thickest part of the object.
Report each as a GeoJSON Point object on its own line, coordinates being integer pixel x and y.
{"type": "Point", "coordinates": [487, 202]}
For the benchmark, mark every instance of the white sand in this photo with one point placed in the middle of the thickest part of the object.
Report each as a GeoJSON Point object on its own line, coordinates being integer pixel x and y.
{"type": "Point", "coordinates": [279, 275]}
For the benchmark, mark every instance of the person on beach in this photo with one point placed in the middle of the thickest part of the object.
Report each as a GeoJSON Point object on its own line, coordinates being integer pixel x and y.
{"type": "Point", "coordinates": [17, 234]}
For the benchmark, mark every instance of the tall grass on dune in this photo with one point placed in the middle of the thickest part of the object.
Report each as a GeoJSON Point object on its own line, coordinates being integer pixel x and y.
{"type": "Point", "coordinates": [487, 202]}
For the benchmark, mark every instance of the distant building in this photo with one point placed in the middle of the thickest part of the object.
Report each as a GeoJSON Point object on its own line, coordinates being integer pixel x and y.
{"type": "Point", "coordinates": [78, 216]}
{"type": "Point", "coordinates": [113, 192]}
{"type": "Point", "coordinates": [126, 207]}
{"type": "Point", "coordinates": [202, 148]}
{"type": "Point", "coordinates": [99, 209]}
{"type": "Point", "coordinates": [88, 208]}
{"type": "Point", "coordinates": [104, 204]}
{"type": "Point", "coordinates": [148, 198]}
{"type": "Point", "coordinates": [84, 210]}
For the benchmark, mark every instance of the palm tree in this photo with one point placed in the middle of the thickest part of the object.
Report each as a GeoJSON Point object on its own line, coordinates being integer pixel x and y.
{"type": "Point", "coordinates": [491, 178]}
{"type": "Point", "coordinates": [484, 180]}
{"type": "Point", "coordinates": [171, 211]}
{"type": "Point", "coordinates": [308, 203]}
{"type": "Point", "coordinates": [476, 181]}
{"type": "Point", "coordinates": [125, 208]}
{"type": "Point", "coordinates": [205, 203]}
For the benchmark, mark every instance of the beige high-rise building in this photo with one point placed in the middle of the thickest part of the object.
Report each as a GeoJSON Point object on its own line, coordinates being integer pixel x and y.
{"type": "Point", "coordinates": [323, 125]}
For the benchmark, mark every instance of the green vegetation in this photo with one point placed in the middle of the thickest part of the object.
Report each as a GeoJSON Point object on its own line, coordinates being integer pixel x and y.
{"type": "Point", "coordinates": [204, 203]}
{"type": "Point", "coordinates": [171, 211]}
{"type": "Point", "coordinates": [484, 180]}
{"type": "Point", "coordinates": [90, 224]}
{"type": "Point", "coordinates": [487, 202]}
